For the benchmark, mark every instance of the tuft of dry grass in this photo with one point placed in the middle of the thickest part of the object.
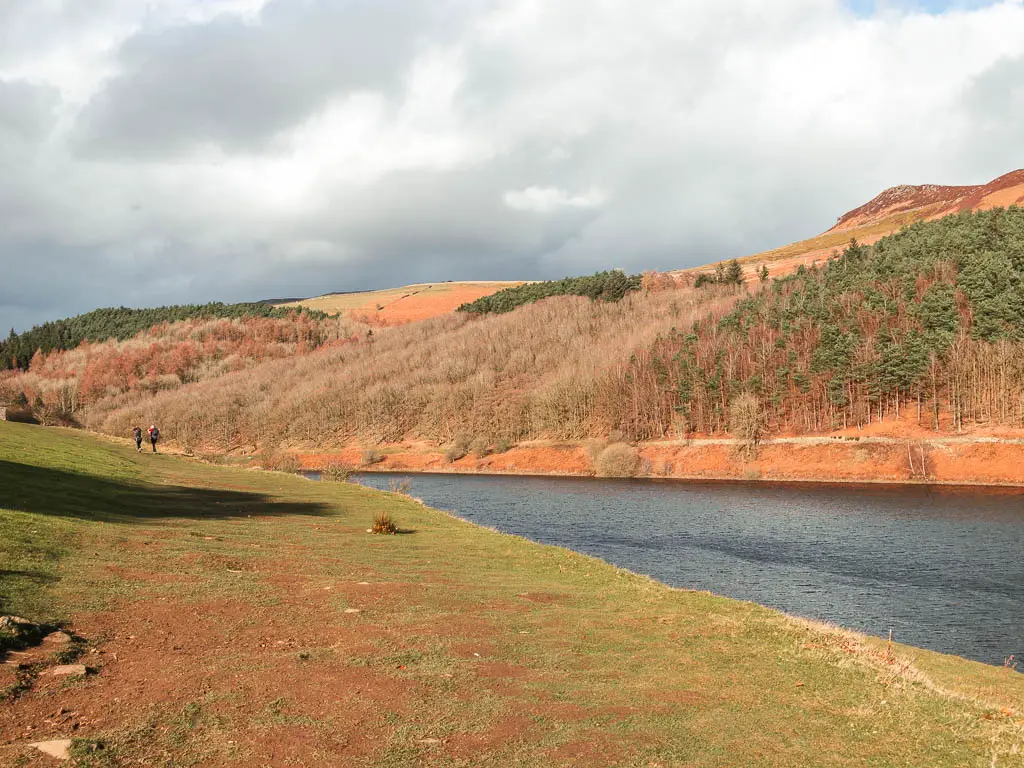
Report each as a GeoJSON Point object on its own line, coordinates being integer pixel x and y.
{"type": "Point", "coordinates": [383, 524]}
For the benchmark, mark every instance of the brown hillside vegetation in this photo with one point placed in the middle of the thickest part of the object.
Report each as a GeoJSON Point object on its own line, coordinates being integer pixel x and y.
{"type": "Point", "coordinates": [63, 385]}
{"type": "Point", "coordinates": [396, 306]}
{"type": "Point", "coordinates": [558, 368]}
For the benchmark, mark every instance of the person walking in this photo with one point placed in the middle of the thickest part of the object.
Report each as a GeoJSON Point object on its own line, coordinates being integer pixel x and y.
{"type": "Point", "coordinates": [154, 435]}
{"type": "Point", "coordinates": [137, 435]}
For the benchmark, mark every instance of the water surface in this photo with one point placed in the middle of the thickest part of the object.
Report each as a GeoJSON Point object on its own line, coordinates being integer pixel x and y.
{"type": "Point", "coordinates": [942, 567]}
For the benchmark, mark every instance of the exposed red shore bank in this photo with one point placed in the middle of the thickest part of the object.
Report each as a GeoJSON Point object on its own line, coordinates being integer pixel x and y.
{"type": "Point", "coordinates": [951, 460]}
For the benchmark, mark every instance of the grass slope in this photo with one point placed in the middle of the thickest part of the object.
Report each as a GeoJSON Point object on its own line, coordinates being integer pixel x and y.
{"type": "Point", "coordinates": [404, 304]}
{"type": "Point", "coordinates": [246, 618]}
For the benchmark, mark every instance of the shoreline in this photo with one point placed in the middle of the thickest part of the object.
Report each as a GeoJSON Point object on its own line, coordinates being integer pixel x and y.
{"type": "Point", "coordinates": [941, 462]}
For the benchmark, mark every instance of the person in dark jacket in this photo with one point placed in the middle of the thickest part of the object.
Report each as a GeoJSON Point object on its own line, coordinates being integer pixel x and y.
{"type": "Point", "coordinates": [154, 435]}
{"type": "Point", "coordinates": [137, 436]}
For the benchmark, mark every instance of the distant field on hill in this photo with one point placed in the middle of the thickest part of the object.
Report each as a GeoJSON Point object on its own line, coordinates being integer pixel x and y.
{"type": "Point", "coordinates": [394, 306]}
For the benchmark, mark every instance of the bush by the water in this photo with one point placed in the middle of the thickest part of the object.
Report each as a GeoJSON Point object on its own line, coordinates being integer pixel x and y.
{"type": "Point", "coordinates": [617, 460]}
{"type": "Point", "coordinates": [606, 286]}
{"type": "Point", "coordinates": [279, 461]}
{"type": "Point", "coordinates": [372, 456]}
{"type": "Point", "coordinates": [336, 472]}
{"type": "Point", "coordinates": [459, 448]}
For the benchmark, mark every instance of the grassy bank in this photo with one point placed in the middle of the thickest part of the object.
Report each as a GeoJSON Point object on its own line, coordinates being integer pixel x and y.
{"type": "Point", "coordinates": [241, 617]}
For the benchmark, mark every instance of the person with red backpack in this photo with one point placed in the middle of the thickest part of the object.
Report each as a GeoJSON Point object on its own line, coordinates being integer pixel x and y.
{"type": "Point", "coordinates": [154, 435]}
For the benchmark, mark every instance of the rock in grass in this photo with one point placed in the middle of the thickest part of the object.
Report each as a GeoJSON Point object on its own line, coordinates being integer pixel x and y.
{"type": "Point", "coordinates": [69, 670]}
{"type": "Point", "coordinates": [58, 748]}
{"type": "Point", "coordinates": [17, 625]}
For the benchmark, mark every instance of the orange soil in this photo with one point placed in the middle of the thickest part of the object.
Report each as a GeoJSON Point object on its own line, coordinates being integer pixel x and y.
{"type": "Point", "coordinates": [880, 453]}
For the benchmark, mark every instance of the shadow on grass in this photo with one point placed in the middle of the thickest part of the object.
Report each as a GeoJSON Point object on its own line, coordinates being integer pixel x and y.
{"type": "Point", "coordinates": [49, 491]}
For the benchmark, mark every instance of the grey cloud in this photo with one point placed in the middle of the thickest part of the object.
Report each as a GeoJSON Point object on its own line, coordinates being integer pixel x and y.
{"type": "Point", "coordinates": [237, 85]}
{"type": "Point", "coordinates": [995, 102]}
{"type": "Point", "coordinates": [27, 111]}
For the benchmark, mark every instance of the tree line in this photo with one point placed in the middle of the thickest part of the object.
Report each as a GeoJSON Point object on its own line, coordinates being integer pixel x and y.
{"type": "Point", "coordinates": [611, 285]}
{"type": "Point", "coordinates": [122, 323]}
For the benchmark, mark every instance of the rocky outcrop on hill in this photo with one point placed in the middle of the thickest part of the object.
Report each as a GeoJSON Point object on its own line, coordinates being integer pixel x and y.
{"type": "Point", "coordinates": [934, 201]}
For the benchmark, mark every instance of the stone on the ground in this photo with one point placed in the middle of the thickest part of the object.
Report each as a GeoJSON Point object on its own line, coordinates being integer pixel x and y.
{"type": "Point", "coordinates": [58, 748]}
{"type": "Point", "coordinates": [17, 624]}
{"type": "Point", "coordinates": [353, 610]}
{"type": "Point", "coordinates": [73, 670]}
{"type": "Point", "coordinates": [58, 638]}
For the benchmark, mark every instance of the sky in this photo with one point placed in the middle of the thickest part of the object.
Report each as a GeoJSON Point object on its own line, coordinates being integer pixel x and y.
{"type": "Point", "coordinates": [178, 151]}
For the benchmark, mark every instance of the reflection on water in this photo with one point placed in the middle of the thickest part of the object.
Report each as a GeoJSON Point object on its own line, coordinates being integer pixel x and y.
{"type": "Point", "coordinates": [942, 567]}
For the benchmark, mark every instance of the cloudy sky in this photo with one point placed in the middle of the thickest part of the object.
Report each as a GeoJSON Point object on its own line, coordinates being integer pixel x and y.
{"type": "Point", "coordinates": [193, 150]}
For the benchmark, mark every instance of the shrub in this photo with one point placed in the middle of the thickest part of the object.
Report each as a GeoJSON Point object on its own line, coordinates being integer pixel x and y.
{"type": "Point", "coordinates": [746, 423]}
{"type": "Point", "coordinates": [458, 448]}
{"type": "Point", "coordinates": [502, 446]}
{"type": "Point", "coordinates": [281, 462]}
{"type": "Point", "coordinates": [403, 487]}
{"type": "Point", "coordinates": [617, 460]}
{"type": "Point", "coordinates": [616, 436]}
{"type": "Point", "coordinates": [372, 456]}
{"type": "Point", "coordinates": [593, 449]}
{"type": "Point", "coordinates": [383, 524]}
{"type": "Point", "coordinates": [336, 472]}
{"type": "Point", "coordinates": [480, 447]}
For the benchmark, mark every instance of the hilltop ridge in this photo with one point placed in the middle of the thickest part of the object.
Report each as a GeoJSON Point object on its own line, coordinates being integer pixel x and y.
{"type": "Point", "coordinates": [887, 213]}
{"type": "Point", "coordinates": [935, 200]}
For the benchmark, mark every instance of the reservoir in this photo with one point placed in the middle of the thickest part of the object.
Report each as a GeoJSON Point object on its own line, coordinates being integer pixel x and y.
{"type": "Point", "coordinates": [942, 567]}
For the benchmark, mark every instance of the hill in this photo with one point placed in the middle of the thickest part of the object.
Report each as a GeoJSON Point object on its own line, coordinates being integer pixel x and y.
{"type": "Point", "coordinates": [231, 617]}
{"type": "Point", "coordinates": [395, 306]}
{"type": "Point", "coordinates": [929, 320]}
{"type": "Point", "coordinates": [119, 323]}
{"type": "Point", "coordinates": [887, 214]}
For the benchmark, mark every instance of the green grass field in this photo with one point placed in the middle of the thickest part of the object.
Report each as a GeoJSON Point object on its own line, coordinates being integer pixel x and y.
{"type": "Point", "coordinates": [240, 617]}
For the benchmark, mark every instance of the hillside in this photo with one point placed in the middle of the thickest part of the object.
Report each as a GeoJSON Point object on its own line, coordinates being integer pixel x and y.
{"type": "Point", "coordinates": [120, 323]}
{"type": "Point", "coordinates": [887, 214]}
{"type": "Point", "coordinates": [61, 386]}
{"type": "Point", "coordinates": [395, 306]}
{"type": "Point", "coordinates": [932, 201]}
{"type": "Point", "coordinates": [930, 320]}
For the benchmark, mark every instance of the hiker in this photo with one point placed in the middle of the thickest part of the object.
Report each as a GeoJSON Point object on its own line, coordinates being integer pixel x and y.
{"type": "Point", "coordinates": [137, 434]}
{"type": "Point", "coordinates": [154, 435]}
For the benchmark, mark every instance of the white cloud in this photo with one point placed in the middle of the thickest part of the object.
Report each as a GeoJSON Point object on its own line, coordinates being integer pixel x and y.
{"type": "Point", "coordinates": [550, 199]}
{"type": "Point", "coordinates": [179, 151]}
